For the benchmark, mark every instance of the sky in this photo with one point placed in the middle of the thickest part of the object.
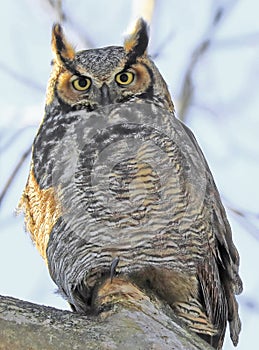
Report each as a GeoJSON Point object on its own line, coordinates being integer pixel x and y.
{"type": "Point", "coordinates": [223, 114]}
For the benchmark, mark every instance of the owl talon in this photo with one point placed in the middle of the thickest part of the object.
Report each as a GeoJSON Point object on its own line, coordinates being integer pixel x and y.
{"type": "Point", "coordinates": [114, 264]}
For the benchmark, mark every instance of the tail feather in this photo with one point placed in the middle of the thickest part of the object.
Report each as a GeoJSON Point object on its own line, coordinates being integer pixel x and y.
{"type": "Point", "coordinates": [192, 314]}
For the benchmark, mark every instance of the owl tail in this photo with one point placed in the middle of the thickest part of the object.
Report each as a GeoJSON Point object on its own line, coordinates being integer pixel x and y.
{"type": "Point", "coordinates": [192, 315]}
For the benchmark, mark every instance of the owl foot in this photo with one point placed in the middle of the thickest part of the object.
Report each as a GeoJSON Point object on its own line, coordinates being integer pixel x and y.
{"type": "Point", "coordinates": [114, 264]}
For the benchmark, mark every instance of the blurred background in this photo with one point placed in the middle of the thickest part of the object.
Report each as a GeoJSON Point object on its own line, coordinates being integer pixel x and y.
{"type": "Point", "coordinates": [207, 51]}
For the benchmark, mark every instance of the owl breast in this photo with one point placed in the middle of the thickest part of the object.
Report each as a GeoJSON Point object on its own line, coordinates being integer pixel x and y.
{"type": "Point", "coordinates": [120, 176]}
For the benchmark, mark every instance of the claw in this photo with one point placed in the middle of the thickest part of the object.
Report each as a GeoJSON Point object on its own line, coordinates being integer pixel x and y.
{"type": "Point", "coordinates": [114, 264]}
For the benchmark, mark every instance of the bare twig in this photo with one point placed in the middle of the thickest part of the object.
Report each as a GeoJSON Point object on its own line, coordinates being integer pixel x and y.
{"type": "Point", "coordinates": [57, 6]}
{"type": "Point", "coordinates": [187, 90]}
{"type": "Point", "coordinates": [14, 173]}
{"type": "Point", "coordinates": [249, 303]}
{"type": "Point", "coordinates": [163, 44]}
{"type": "Point", "coordinates": [63, 17]}
{"type": "Point", "coordinates": [21, 78]}
{"type": "Point", "coordinates": [245, 218]}
{"type": "Point", "coordinates": [142, 8]}
{"type": "Point", "coordinates": [249, 39]}
{"type": "Point", "coordinates": [14, 137]}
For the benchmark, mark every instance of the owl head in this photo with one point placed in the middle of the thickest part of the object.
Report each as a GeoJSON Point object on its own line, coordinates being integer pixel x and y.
{"type": "Point", "coordinates": [90, 79]}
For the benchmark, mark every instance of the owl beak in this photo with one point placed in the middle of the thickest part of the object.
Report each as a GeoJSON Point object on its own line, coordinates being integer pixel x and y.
{"type": "Point", "coordinates": [105, 95]}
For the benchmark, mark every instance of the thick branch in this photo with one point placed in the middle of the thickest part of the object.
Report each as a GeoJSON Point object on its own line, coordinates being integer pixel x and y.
{"type": "Point", "coordinates": [135, 324]}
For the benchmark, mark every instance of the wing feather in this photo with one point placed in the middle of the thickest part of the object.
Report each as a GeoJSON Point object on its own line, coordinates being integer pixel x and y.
{"type": "Point", "coordinates": [218, 273]}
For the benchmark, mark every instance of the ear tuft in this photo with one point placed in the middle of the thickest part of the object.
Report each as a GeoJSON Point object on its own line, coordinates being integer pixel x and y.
{"type": "Point", "coordinates": [136, 43]}
{"type": "Point", "coordinates": [61, 48]}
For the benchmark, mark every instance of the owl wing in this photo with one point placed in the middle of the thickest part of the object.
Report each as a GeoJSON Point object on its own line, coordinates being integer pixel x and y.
{"type": "Point", "coordinates": [218, 273]}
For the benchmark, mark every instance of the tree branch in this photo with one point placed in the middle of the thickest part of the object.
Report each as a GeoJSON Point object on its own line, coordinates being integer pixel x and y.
{"type": "Point", "coordinates": [135, 323]}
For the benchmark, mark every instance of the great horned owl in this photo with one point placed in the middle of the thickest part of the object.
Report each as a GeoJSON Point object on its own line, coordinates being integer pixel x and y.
{"type": "Point", "coordinates": [115, 177]}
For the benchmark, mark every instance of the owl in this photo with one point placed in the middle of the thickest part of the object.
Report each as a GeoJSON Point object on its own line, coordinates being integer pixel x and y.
{"type": "Point", "coordinates": [118, 186]}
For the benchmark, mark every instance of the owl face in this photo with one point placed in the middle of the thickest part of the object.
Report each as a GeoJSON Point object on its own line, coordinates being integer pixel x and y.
{"type": "Point", "coordinates": [91, 79]}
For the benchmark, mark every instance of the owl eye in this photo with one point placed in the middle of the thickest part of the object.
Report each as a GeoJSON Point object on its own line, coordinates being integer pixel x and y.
{"type": "Point", "coordinates": [124, 78]}
{"type": "Point", "coordinates": [81, 83]}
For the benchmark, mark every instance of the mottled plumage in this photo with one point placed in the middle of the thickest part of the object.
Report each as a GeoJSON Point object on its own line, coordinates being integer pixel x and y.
{"type": "Point", "coordinates": [118, 185]}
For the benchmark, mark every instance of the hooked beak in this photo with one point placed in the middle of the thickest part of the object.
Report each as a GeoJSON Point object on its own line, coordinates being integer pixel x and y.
{"type": "Point", "coordinates": [105, 95]}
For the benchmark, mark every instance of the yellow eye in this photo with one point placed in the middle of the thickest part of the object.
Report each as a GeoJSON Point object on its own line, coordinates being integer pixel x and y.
{"type": "Point", "coordinates": [81, 83]}
{"type": "Point", "coordinates": [124, 78]}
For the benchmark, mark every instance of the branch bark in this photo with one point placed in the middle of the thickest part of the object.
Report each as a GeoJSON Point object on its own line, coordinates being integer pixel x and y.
{"type": "Point", "coordinates": [136, 323]}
